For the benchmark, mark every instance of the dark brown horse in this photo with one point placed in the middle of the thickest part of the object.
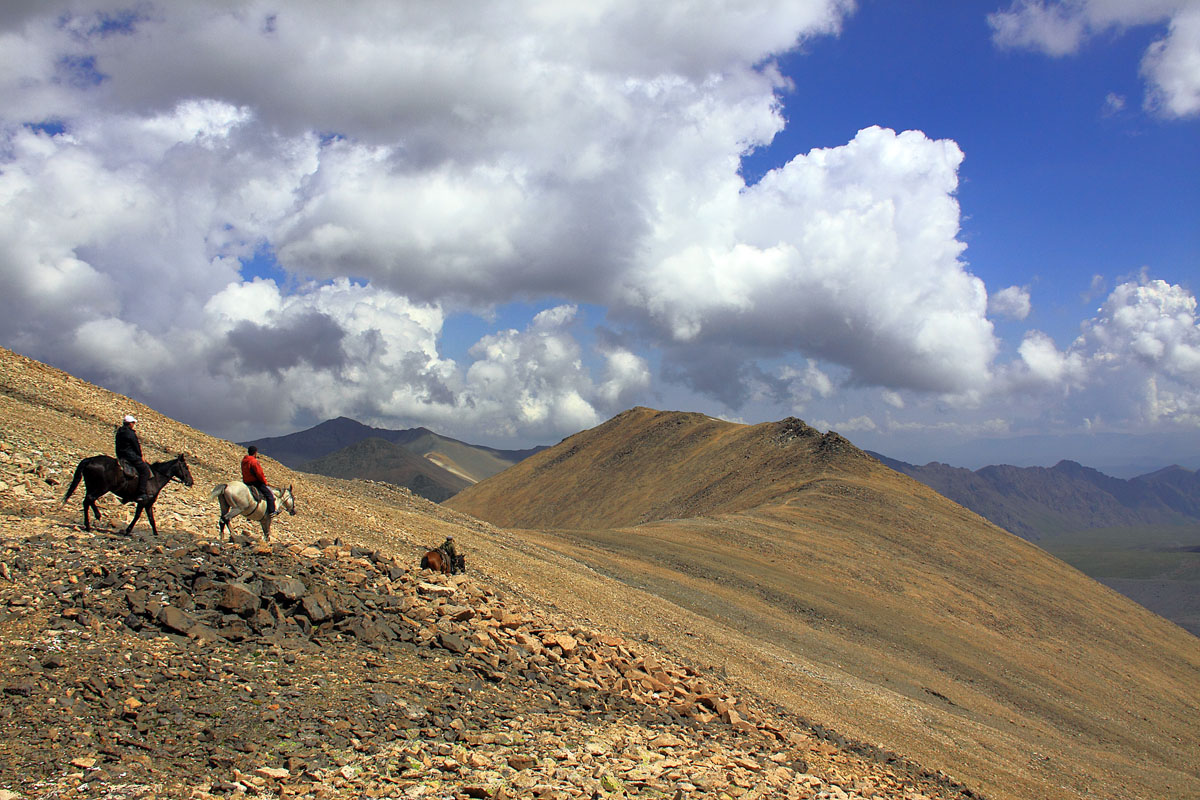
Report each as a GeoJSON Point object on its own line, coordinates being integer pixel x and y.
{"type": "Point", "coordinates": [103, 474]}
{"type": "Point", "coordinates": [438, 561]}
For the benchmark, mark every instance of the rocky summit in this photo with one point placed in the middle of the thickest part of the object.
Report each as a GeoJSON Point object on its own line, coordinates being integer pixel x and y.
{"type": "Point", "coordinates": [325, 664]}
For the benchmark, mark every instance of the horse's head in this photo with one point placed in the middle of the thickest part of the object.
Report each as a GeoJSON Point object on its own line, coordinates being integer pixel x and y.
{"type": "Point", "coordinates": [287, 500]}
{"type": "Point", "coordinates": [180, 471]}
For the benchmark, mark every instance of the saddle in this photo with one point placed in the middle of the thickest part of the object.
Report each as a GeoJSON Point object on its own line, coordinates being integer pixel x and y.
{"type": "Point", "coordinates": [458, 564]}
{"type": "Point", "coordinates": [128, 469]}
{"type": "Point", "coordinates": [255, 493]}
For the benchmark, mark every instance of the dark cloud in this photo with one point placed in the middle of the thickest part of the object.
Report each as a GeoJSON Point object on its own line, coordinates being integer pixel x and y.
{"type": "Point", "coordinates": [415, 367]}
{"type": "Point", "coordinates": [311, 338]}
{"type": "Point", "coordinates": [726, 373]}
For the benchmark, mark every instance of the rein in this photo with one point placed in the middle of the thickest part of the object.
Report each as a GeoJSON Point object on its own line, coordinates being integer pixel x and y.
{"type": "Point", "coordinates": [169, 469]}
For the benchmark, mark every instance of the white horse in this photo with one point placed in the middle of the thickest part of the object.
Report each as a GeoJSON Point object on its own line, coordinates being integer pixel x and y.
{"type": "Point", "coordinates": [236, 499]}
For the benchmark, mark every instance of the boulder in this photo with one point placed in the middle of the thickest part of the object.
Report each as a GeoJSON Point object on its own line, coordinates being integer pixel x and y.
{"type": "Point", "coordinates": [237, 598]}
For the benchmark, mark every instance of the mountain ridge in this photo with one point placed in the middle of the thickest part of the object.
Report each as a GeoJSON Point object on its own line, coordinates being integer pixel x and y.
{"type": "Point", "coordinates": [1033, 501]}
{"type": "Point", "coordinates": [657, 440]}
{"type": "Point", "coordinates": [898, 627]}
{"type": "Point", "coordinates": [432, 465]}
{"type": "Point", "coordinates": [331, 435]}
{"type": "Point", "coordinates": [833, 555]}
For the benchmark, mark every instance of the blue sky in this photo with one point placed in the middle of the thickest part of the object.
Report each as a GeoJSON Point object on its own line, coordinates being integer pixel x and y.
{"type": "Point", "coordinates": [967, 232]}
{"type": "Point", "coordinates": [1055, 187]}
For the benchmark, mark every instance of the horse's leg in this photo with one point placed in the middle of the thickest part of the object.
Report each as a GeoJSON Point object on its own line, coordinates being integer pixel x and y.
{"type": "Point", "coordinates": [132, 522]}
{"type": "Point", "coordinates": [228, 517]}
{"type": "Point", "coordinates": [266, 526]}
{"type": "Point", "coordinates": [87, 523]}
{"type": "Point", "coordinates": [150, 516]}
{"type": "Point", "coordinates": [222, 522]}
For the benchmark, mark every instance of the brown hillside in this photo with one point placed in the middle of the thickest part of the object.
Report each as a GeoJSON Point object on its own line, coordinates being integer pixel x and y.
{"type": "Point", "coordinates": [848, 591]}
{"type": "Point", "coordinates": [324, 664]}
{"type": "Point", "coordinates": [646, 465]}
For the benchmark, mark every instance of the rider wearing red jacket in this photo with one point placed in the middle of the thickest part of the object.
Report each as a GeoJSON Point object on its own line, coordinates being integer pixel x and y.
{"type": "Point", "coordinates": [253, 475]}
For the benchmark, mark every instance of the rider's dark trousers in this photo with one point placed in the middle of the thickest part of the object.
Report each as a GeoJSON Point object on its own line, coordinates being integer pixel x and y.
{"type": "Point", "coordinates": [143, 471]}
{"type": "Point", "coordinates": [267, 494]}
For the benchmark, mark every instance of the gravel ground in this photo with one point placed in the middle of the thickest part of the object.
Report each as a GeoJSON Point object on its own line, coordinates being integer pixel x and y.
{"type": "Point", "coordinates": [169, 667]}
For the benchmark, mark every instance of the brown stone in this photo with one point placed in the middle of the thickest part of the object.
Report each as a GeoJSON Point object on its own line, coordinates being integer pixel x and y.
{"type": "Point", "coordinates": [175, 619]}
{"type": "Point", "coordinates": [521, 762]}
{"type": "Point", "coordinates": [238, 599]}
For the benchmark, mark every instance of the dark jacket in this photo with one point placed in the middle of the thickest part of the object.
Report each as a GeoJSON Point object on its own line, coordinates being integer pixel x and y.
{"type": "Point", "coordinates": [128, 446]}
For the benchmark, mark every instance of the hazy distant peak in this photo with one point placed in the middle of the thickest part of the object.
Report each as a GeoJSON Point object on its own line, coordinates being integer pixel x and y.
{"type": "Point", "coordinates": [1173, 471]}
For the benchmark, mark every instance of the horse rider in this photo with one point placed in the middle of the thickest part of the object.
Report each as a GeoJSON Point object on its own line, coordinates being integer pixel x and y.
{"type": "Point", "coordinates": [129, 449]}
{"type": "Point", "coordinates": [253, 475]}
{"type": "Point", "coordinates": [451, 553]}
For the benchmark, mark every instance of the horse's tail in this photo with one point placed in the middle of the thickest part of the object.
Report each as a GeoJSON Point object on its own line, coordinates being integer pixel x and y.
{"type": "Point", "coordinates": [424, 559]}
{"type": "Point", "coordinates": [216, 491]}
{"type": "Point", "coordinates": [74, 483]}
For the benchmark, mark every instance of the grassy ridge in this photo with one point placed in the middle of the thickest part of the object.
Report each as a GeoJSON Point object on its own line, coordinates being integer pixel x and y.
{"type": "Point", "coordinates": [841, 584]}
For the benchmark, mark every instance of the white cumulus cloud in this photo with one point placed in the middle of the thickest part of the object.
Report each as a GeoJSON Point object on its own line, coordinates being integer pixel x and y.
{"type": "Point", "coordinates": [405, 162]}
{"type": "Point", "coordinates": [443, 159]}
{"type": "Point", "coordinates": [1136, 363]}
{"type": "Point", "coordinates": [1172, 65]}
{"type": "Point", "coordinates": [1012, 302]}
{"type": "Point", "coordinates": [845, 254]}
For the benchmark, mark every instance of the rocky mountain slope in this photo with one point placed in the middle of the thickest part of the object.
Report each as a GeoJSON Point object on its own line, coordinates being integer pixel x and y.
{"type": "Point", "coordinates": [324, 664]}
{"type": "Point", "coordinates": [843, 588]}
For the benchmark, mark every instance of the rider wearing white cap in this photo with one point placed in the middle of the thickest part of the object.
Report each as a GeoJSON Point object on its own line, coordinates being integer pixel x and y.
{"type": "Point", "coordinates": [130, 449]}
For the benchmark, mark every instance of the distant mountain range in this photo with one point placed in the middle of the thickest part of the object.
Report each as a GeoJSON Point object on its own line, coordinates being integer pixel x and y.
{"type": "Point", "coordinates": [1139, 536]}
{"type": "Point", "coordinates": [429, 464]}
{"type": "Point", "coordinates": [1040, 502]}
